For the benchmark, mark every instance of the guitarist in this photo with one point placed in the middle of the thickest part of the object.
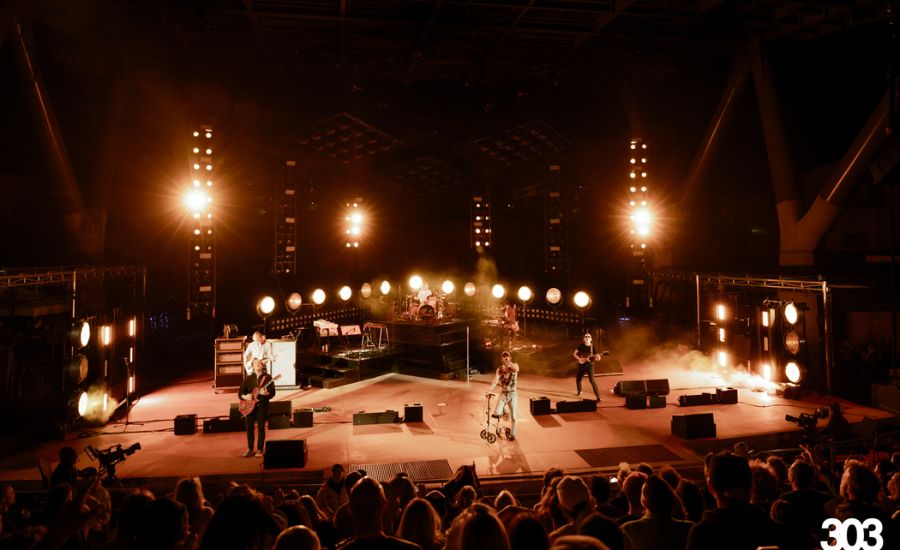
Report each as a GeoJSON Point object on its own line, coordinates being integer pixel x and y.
{"type": "Point", "coordinates": [585, 355]}
{"type": "Point", "coordinates": [258, 379]}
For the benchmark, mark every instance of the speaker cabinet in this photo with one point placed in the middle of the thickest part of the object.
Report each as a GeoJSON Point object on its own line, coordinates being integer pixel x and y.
{"type": "Point", "coordinates": [583, 405]}
{"type": "Point", "coordinates": [223, 425]}
{"type": "Point", "coordinates": [285, 454]}
{"type": "Point", "coordinates": [630, 387]}
{"type": "Point", "coordinates": [657, 402]}
{"type": "Point", "coordinates": [303, 418]}
{"type": "Point", "coordinates": [696, 400]}
{"type": "Point", "coordinates": [727, 396]}
{"type": "Point", "coordinates": [185, 424]}
{"type": "Point", "coordinates": [539, 406]}
{"type": "Point", "coordinates": [693, 426]}
{"type": "Point", "coordinates": [382, 417]}
{"type": "Point", "coordinates": [636, 401]}
{"type": "Point", "coordinates": [279, 408]}
{"type": "Point", "coordinates": [412, 412]}
{"type": "Point", "coordinates": [279, 422]}
{"type": "Point", "coordinates": [658, 387]}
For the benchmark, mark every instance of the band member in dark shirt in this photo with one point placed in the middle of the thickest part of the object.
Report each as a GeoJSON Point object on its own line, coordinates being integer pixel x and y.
{"type": "Point", "coordinates": [258, 379]}
{"type": "Point", "coordinates": [585, 355]}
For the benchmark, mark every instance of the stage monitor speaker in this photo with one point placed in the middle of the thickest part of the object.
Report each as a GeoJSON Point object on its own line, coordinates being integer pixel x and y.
{"type": "Point", "coordinates": [657, 402]}
{"type": "Point", "coordinates": [636, 401]}
{"type": "Point", "coordinates": [279, 422]}
{"type": "Point", "coordinates": [696, 400]}
{"type": "Point", "coordinates": [381, 417]}
{"type": "Point", "coordinates": [223, 425]}
{"type": "Point", "coordinates": [608, 367]}
{"type": "Point", "coordinates": [582, 405]}
{"type": "Point", "coordinates": [412, 412]}
{"type": "Point", "coordinates": [727, 396]}
{"type": "Point", "coordinates": [631, 387]}
{"type": "Point", "coordinates": [234, 413]}
{"type": "Point", "coordinates": [693, 426]}
{"type": "Point", "coordinates": [185, 424]}
{"type": "Point", "coordinates": [658, 387]}
{"type": "Point", "coordinates": [303, 418]}
{"type": "Point", "coordinates": [280, 408]}
{"type": "Point", "coordinates": [540, 406]}
{"type": "Point", "coordinates": [792, 392]}
{"type": "Point", "coordinates": [285, 454]}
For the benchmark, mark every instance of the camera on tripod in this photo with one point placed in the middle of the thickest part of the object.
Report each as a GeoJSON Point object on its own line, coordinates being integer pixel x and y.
{"type": "Point", "coordinates": [808, 421]}
{"type": "Point", "coordinates": [109, 457]}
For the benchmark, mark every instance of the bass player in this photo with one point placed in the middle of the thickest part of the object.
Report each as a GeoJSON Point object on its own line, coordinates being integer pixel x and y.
{"type": "Point", "coordinates": [585, 355]}
{"type": "Point", "coordinates": [257, 380]}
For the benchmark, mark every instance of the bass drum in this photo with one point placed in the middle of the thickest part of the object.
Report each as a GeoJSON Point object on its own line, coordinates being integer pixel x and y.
{"type": "Point", "coordinates": [426, 312]}
{"type": "Point", "coordinates": [413, 310]}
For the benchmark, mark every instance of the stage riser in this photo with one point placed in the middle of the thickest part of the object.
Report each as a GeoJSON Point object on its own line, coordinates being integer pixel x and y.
{"type": "Point", "coordinates": [434, 333]}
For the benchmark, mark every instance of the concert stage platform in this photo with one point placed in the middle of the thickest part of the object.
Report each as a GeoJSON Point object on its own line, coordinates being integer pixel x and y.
{"type": "Point", "coordinates": [447, 437]}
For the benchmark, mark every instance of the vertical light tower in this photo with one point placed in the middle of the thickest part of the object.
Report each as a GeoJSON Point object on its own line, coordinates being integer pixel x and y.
{"type": "Point", "coordinates": [640, 219]}
{"type": "Point", "coordinates": [482, 237]}
{"type": "Point", "coordinates": [353, 220]}
{"type": "Point", "coordinates": [202, 267]}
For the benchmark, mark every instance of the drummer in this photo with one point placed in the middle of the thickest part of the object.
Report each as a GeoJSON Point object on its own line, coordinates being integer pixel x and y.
{"type": "Point", "coordinates": [423, 294]}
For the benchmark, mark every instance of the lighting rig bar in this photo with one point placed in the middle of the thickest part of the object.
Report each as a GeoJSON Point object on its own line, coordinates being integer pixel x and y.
{"type": "Point", "coordinates": [65, 276]}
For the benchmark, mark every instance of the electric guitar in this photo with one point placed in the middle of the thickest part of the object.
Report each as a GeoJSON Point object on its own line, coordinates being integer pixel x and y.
{"type": "Point", "coordinates": [591, 357]}
{"type": "Point", "coordinates": [246, 406]}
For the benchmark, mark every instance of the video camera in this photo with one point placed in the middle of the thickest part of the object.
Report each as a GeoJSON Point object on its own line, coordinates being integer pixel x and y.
{"type": "Point", "coordinates": [808, 421]}
{"type": "Point", "coordinates": [109, 457]}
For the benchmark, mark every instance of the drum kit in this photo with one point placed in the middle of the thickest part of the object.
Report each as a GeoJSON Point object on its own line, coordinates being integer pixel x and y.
{"type": "Point", "coordinates": [434, 307]}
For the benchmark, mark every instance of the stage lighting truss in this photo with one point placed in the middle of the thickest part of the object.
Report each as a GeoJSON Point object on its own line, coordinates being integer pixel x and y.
{"type": "Point", "coordinates": [353, 223]}
{"type": "Point", "coordinates": [200, 198]}
{"type": "Point", "coordinates": [482, 235]}
{"type": "Point", "coordinates": [640, 214]}
{"type": "Point", "coordinates": [782, 341]}
{"type": "Point", "coordinates": [286, 219]}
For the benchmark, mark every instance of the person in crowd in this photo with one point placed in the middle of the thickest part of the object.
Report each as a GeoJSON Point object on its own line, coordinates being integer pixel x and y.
{"type": "Point", "coordinates": [808, 501]}
{"type": "Point", "coordinates": [367, 505]}
{"type": "Point", "coordinates": [691, 498]}
{"type": "Point", "coordinates": [439, 503]}
{"type": "Point", "coordinates": [400, 490]}
{"type": "Point", "coordinates": [132, 516]}
{"type": "Point", "coordinates": [420, 524]}
{"type": "Point", "coordinates": [632, 488]}
{"type": "Point", "coordinates": [619, 501]}
{"type": "Point", "coordinates": [477, 528]}
{"type": "Point", "coordinates": [343, 518]}
{"type": "Point", "coordinates": [860, 490]}
{"type": "Point", "coordinates": [766, 488]}
{"type": "Point", "coordinates": [603, 529]}
{"type": "Point", "coordinates": [189, 492]}
{"type": "Point", "coordinates": [257, 381]}
{"type": "Point", "coordinates": [526, 532]}
{"type": "Point", "coordinates": [506, 377]}
{"type": "Point", "coordinates": [321, 523]}
{"type": "Point", "coordinates": [778, 466]}
{"type": "Point", "coordinates": [241, 521]}
{"type": "Point", "coordinates": [578, 542]}
{"type": "Point", "coordinates": [790, 518]}
{"type": "Point", "coordinates": [503, 499]}
{"type": "Point", "coordinates": [464, 475]}
{"type": "Point", "coordinates": [576, 502]}
{"type": "Point", "coordinates": [585, 354]}
{"type": "Point", "coordinates": [734, 523]}
{"type": "Point", "coordinates": [298, 537]}
{"type": "Point", "coordinates": [165, 526]}
{"type": "Point", "coordinates": [332, 493]}
{"type": "Point", "coordinates": [670, 476]}
{"type": "Point", "coordinates": [657, 529]}
{"type": "Point", "coordinates": [601, 488]}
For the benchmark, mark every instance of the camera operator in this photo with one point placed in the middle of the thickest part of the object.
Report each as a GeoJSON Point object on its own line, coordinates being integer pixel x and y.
{"type": "Point", "coordinates": [65, 471]}
{"type": "Point", "coordinates": [838, 428]}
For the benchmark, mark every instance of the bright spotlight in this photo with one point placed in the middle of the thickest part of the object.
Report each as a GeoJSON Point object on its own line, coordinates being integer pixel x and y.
{"type": "Point", "coordinates": [82, 403]}
{"type": "Point", "coordinates": [105, 335]}
{"type": "Point", "coordinates": [196, 200]}
{"type": "Point", "coordinates": [498, 291]}
{"type": "Point", "coordinates": [385, 288]}
{"type": "Point", "coordinates": [723, 359]}
{"type": "Point", "coordinates": [132, 326]}
{"type": "Point", "coordinates": [318, 296]}
{"type": "Point", "coordinates": [345, 293]}
{"type": "Point", "coordinates": [415, 282]}
{"type": "Point", "coordinates": [767, 372]}
{"type": "Point", "coordinates": [582, 299]}
{"type": "Point", "coordinates": [790, 313]}
{"type": "Point", "coordinates": [356, 218]}
{"type": "Point", "coordinates": [721, 313]}
{"type": "Point", "coordinates": [265, 306]}
{"type": "Point", "coordinates": [553, 296]}
{"type": "Point", "coordinates": [447, 287]}
{"type": "Point", "coordinates": [366, 290]}
{"type": "Point", "coordinates": [525, 294]}
{"type": "Point", "coordinates": [469, 289]}
{"type": "Point", "coordinates": [84, 334]}
{"type": "Point", "coordinates": [293, 302]}
{"type": "Point", "coordinates": [793, 372]}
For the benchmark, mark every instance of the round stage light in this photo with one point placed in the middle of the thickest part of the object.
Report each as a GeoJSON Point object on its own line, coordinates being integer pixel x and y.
{"type": "Point", "coordinates": [469, 289]}
{"type": "Point", "coordinates": [196, 200]}
{"type": "Point", "coordinates": [498, 291]}
{"type": "Point", "coordinates": [78, 368]}
{"type": "Point", "coordinates": [793, 372]}
{"type": "Point", "coordinates": [82, 403]}
{"type": "Point", "coordinates": [385, 288]}
{"type": "Point", "coordinates": [447, 287]}
{"type": "Point", "coordinates": [792, 342]}
{"type": "Point", "coordinates": [525, 294]}
{"type": "Point", "coordinates": [293, 302]}
{"type": "Point", "coordinates": [345, 293]}
{"type": "Point", "coordinates": [554, 296]}
{"type": "Point", "coordinates": [84, 334]}
{"type": "Point", "coordinates": [366, 290]}
{"type": "Point", "coordinates": [318, 296]}
{"type": "Point", "coordinates": [415, 282]}
{"type": "Point", "coordinates": [265, 306]}
{"type": "Point", "coordinates": [582, 299]}
{"type": "Point", "coordinates": [790, 313]}
{"type": "Point", "coordinates": [721, 312]}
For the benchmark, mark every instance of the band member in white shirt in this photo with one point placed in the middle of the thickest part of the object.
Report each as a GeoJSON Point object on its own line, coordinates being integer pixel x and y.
{"type": "Point", "coordinates": [258, 349]}
{"type": "Point", "coordinates": [507, 377]}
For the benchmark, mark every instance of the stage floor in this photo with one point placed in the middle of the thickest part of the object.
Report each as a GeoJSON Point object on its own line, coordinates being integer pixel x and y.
{"type": "Point", "coordinates": [453, 418]}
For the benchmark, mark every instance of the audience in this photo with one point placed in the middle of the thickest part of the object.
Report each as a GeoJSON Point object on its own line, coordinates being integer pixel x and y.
{"type": "Point", "coordinates": [657, 529]}
{"type": "Point", "coordinates": [576, 502]}
{"type": "Point", "coordinates": [421, 524]}
{"type": "Point", "coordinates": [631, 488]}
{"type": "Point", "coordinates": [332, 493]}
{"type": "Point", "coordinates": [367, 506]}
{"type": "Point", "coordinates": [298, 537]}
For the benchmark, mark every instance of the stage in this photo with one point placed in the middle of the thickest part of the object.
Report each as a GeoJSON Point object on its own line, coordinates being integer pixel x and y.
{"type": "Point", "coordinates": [448, 436]}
